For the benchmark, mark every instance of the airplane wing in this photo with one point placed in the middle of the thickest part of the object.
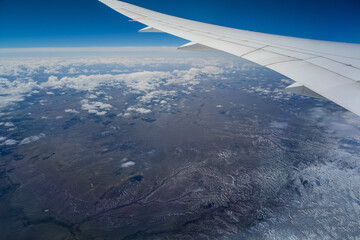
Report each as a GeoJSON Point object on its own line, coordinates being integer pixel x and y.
{"type": "Point", "coordinates": [319, 68]}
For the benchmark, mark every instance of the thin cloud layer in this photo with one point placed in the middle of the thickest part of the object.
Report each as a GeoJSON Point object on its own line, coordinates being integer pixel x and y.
{"type": "Point", "coordinates": [9, 142]}
{"type": "Point", "coordinates": [32, 139]}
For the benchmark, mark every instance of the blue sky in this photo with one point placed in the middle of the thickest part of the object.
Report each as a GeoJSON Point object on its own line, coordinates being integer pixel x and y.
{"type": "Point", "coordinates": [84, 23]}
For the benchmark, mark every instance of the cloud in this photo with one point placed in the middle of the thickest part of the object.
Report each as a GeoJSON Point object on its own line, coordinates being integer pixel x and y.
{"type": "Point", "coordinates": [2, 139]}
{"type": "Point", "coordinates": [150, 96]}
{"type": "Point", "coordinates": [150, 84]}
{"type": "Point", "coordinates": [95, 107]}
{"type": "Point", "coordinates": [9, 124]}
{"type": "Point", "coordinates": [91, 96]}
{"type": "Point", "coordinates": [279, 125]}
{"type": "Point", "coordinates": [139, 110]}
{"type": "Point", "coordinates": [28, 67]}
{"type": "Point", "coordinates": [343, 123]}
{"type": "Point", "coordinates": [318, 112]}
{"type": "Point", "coordinates": [71, 111]}
{"type": "Point", "coordinates": [43, 102]}
{"type": "Point", "coordinates": [32, 139]}
{"type": "Point", "coordinates": [73, 71]}
{"type": "Point", "coordinates": [127, 164]}
{"type": "Point", "coordinates": [9, 142]}
{"type": "Point", "coordinates": [52, 70]}
{"type": "Point", "coordinates": [212, 70]}
{"type": "Point", "coordinates": [15, 91]}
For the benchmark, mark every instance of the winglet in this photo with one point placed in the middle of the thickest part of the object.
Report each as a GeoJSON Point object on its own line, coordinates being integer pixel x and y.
{"type": "Point", "coordinates": [196, 47]}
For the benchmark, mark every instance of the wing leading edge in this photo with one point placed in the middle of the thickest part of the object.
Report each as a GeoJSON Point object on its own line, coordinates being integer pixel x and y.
{"type": "Point", "coordinates": [320, 68]}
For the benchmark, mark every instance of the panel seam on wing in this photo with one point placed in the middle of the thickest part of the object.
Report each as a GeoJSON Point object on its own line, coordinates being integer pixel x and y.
{"type": "Point", "coordinates": [299, 60]}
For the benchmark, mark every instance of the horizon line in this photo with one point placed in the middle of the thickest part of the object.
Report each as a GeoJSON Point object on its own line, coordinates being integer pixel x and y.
{"type": "Point", "coordinates": [89, 49]}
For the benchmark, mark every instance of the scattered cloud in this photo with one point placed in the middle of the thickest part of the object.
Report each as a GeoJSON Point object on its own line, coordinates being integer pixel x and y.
{"type": "Point", "coordinates": [9, 124]}
{"type": "Point", "coordinates": [91, 96]}
{"type": "Point", "coordinates": [15, 91]}
{"type": "Point", "coordinates": [32, 139]}
{"type": "Point", "coordinates": [97, 108]}
{"type": "Point", "coordinates": [343, 123]}
{"type": "Point", "coordinates": [17, 81]}
{"type": "Point", "coordinates": [43, 102]}
{"type": "Point", "coordinates": [52, 70]}
{"type": "Point", "coordinates": [127, 164]}
{"type": "Point", "coordinates": [73, 71]}
{"type": "Point", "coordinates": [139, 110]}
{"type": "Point", "coordinates": [71, 111]}
{"type": "Point", "coordinates": [9, 142]}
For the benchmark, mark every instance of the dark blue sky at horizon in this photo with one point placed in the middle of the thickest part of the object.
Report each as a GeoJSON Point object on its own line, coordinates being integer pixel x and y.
{"type": "Point", "coordinates": [84, 23]}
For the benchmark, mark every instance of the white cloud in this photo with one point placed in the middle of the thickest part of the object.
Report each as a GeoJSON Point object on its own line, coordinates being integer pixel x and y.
{"type": "Point", "coordinates": [32, 139]}
{"type": "Point", "coordinates": [156, 95]}
{"type": "Point", "coordinates": [2, 139]}
{"type": "Point", "coordinates": [15, 91]}
{"type": "Point", "coordinates": [91, 96]}
{"type": "Point", "coordinates": [102, 113]}
{"type": "Point", "coordinates": [9, 142]}
{"type": "Point", "coordinates": [9, 124]}
{"type": "Point", "coordinates": [343, 123]}
{"type": "Point", "coordinates": [212, 70]}
{"type": "Point", "coordinates": [73, 71]}
{"type": "Point", "coordinates": [127, 164]}
{"type": "Point", "coordinates": [71, 111]}
{"type": "Point", "coordinates": [86, 105]}
{"type": "Point", "coordinates": [43, 102]}
{"type": "Point", "coordinates": [52, 70]}
{"type": "Point", "coordinates": [146, 83]}
{"type": "Point", "coordinates": [139, 110]}
{"type": "Point", "coordinates": [15, 67]}
{"type": "Point", "coordinates": [97, 108]}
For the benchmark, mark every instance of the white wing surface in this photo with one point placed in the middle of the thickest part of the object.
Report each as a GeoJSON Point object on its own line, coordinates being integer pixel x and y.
{"type": "Point", "coordinates": [320, 68]}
